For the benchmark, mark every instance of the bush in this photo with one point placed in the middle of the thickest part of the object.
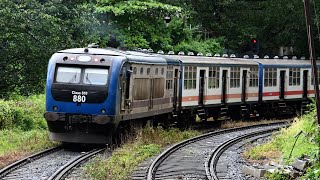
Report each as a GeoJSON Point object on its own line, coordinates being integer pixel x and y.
{"type": "Point", "coordinates": [6, 115]}
{"type": "Point", "coordinates": [208, 46]}
{"type": "Point", "coordinates": [23, 113]}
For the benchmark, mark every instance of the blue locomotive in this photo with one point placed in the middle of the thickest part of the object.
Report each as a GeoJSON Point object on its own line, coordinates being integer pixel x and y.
{"type": "Point", "coordinates": [90, 91]}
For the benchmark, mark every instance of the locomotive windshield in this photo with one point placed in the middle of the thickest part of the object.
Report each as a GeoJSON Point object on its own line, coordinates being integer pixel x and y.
{"type": "Point", "coordinates": [95, 76]}
{"type": "Point", "coordinates": [68, 75]}
{"type": "Point", "coordinates": [77, 75]}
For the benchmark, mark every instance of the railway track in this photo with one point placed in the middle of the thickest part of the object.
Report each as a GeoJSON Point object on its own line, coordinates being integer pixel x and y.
{"type": "Point", "coordinates": [53, 164]}
{"type": "Point", "coordinates": [197, 158]}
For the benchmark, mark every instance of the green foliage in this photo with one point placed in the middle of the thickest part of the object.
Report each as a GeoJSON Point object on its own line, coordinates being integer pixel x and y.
{"type": "Point", "coordinates": [208, 46]}
{"type": "Point", "coordinates": [16, 144]}
{"type": "Point", "coordinates": [307, 144]}
{"type": "Point", "coordinates": [26, 141]}
{"type": "Point", "coordinates": [277, 176]}
{"type": "Point", "coordinates": [31, 31]}
{"type": "Point", "coordinates": [139, 24]}
{"type": "Point", "coordinates": [284, 141]}
{"type": "Point", "coordinates": [123, 161]}
{"type": "Point", "coordinates": [23, 113]}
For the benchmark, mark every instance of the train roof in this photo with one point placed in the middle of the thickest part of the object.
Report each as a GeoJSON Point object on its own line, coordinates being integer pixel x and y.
{"type": "Point", "coordinates": [285, 63]}
{"type": "Point", "coordinates": [132, 56]}
{"type": "Point", "coordinates": [220, 61]}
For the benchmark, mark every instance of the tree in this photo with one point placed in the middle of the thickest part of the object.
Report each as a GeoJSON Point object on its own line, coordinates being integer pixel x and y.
{"type": "Point", "coordinates": [31, 31]}
{"type": "Point", "coordinates": [137, 24]}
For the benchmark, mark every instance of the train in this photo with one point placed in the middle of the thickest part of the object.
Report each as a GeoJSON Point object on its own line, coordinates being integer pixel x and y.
{"type": "Point", "coordinates": [92, 91]}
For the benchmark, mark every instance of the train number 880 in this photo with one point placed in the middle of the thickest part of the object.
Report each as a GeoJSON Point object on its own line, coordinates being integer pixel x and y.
{"type": "Point", "coordinates": [79, 98]}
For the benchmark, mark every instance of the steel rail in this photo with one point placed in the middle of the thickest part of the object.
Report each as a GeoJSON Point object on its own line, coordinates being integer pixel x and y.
{"type": "Point", "coordinates": [210, 165]}
{"type": "Point", "coordinates": [156, 163]}
{"type": "Point", "coordinates": [6, 170]}
{"type": "Point", "coordinates": [64, 170]}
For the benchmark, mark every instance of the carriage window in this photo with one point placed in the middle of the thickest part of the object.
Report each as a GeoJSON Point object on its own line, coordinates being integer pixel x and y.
{"type": "Point", "coordinates": [253, 77]}
{"type": "Point", "coordinates": [270, 77]}
{"type": "Point", "coordinates": [95, 76]}
{"type": "Point", "coordinates": [135, 70]}
{"type": "Point", "coordinates": [141, 70]}
{"type": "Point", "coordinates": [235, 77]}
{"type": "Point", "coordinates": [213, 77]}
{"type": "Point", "coordinates": [169, 80]}
{"type": "Point", "coordinates": [294, 77]}
{"type": "Point", "coordinates": [68, 75]}
{"type": "Point", "coordinates": [162, 71]}
{"type": "Point", "coordinates": [148, 71]}
{"type": "Point", "coordinates": [190, 77]}
{"type": "Point", "coordinates": [156, 71]}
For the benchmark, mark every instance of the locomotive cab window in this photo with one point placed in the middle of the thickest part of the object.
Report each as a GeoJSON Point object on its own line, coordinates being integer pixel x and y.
{"type": "Point", "coordinates": [95, 76]}
{"type": "Point", "coordinates": [81, 75]}
{"type": "Point", "coordinates": [69, 75]}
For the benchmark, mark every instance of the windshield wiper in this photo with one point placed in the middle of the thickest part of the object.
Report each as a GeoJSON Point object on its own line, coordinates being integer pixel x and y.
{"type": "Point", "coordinates": [73, 78]}
{"type": "Point", "coordinates": [87, 78]}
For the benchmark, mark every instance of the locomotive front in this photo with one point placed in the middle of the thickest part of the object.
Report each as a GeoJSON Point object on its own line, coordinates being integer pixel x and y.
{"type": "Point", "coordinates": [81, 93]}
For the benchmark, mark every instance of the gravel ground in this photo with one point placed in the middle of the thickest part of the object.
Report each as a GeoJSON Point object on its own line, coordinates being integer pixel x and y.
{"type": "Point", "coordinates": [44, 167]}
{"type": "Point", "coordinates": [235, 161]}
{"type": "Point", "coordinates": [80, 171]}
{"type": "Point", "coordinates": [194, 156]}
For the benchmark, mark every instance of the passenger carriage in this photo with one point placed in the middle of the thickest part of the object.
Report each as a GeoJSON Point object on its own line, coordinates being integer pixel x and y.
{"type": "Point", "coordinates": [214, 86]}
{"type": "Point", "coordinates": [285, 84]}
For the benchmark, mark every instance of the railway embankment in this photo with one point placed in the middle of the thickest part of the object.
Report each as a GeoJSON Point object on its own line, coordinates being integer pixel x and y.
{"type": "Point", "coordinates": [23, 130]}
{"type": "Point", "coordinates": [288, 150]}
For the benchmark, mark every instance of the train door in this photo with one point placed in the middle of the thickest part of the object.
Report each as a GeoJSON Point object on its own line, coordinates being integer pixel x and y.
{"type": "Point", "coordinates": [244, 85]}
{"type": "Point", "coordinates": [282, 84]}
{"type": "Point", "coordinates": [202, 86]}
{"type": "Point", "coordinates": [305, 83]}
{"type": "Point", "coordinates": [175, 88]}
{"type": "Point", "coordinates": [125, 79]}
{"type": "Point", "coordinates": [224, 86]}
{"type": "Point", "coordinates": [151, 81]}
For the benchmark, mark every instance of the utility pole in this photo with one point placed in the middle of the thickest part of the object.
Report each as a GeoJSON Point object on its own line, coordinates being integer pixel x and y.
{"type": "Point", "coordinates": [312, 55]}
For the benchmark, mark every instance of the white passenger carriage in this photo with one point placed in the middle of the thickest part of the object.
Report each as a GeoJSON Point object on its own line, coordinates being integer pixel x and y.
{"type": "Point", "coordinates": [285, 83]}
{"type": "Point", "coordinates": [211, 84]}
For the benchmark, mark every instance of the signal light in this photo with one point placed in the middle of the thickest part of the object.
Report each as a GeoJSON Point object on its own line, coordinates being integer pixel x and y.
{"type": "Point", "coordinates": [254, 41]}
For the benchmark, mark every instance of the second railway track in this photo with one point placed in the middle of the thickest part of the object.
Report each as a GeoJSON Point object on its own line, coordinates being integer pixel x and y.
{"type": "Point", "coordinates": [53, 164]}
{"type": "Point", "coordinates": [189, 159]}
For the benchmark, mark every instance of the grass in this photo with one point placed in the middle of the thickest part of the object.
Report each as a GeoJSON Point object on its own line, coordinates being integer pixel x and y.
{"type": "Point", "coordinates": [282, 142]}
{"type": "Point", "coordinates": [124, 160]}
{"type": "Point", "coordinates": [16, 144]}
{"type": "Point", "coordinates": [23, 129]}
{"type": "Point", "coordinates": [281, 147]}
{"type": "Point", "coordinates": [25, 113]}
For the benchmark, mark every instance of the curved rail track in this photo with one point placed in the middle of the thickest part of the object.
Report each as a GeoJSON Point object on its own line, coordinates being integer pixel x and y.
{"type": "Point", "coordinates": [189, 159]}
{"type": "Point", "coordinates": [211, 164]}
{"type": "Point", "coordinates": [53, 164]}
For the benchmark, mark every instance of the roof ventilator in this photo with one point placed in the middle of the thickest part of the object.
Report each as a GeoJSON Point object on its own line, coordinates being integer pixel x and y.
{"type": "Point", "coordinates": [181, 53]}
{"type": "Point", "coordinates": [190, 54]}
{"type": "Point", "coordinates": [171, 53]}
{"type": "Point", "coordinates": [160, 52]}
